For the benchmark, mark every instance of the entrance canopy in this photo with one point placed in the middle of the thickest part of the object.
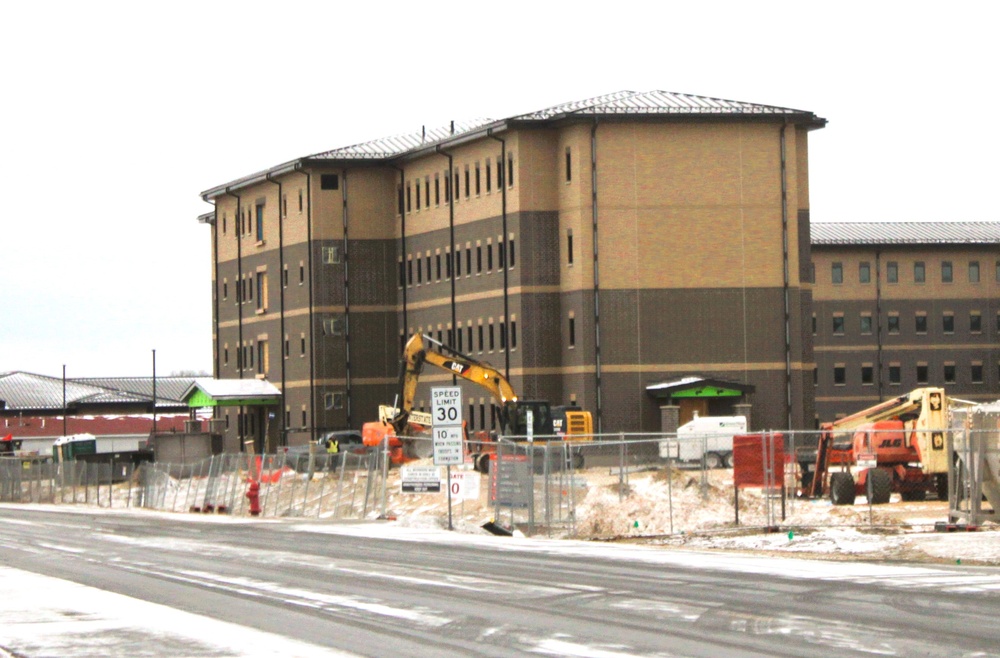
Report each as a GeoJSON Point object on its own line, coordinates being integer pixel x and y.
{"type": "Point", "coordinates": [205, 392]}
{"type": "Point", "coordinates": [698, 387]}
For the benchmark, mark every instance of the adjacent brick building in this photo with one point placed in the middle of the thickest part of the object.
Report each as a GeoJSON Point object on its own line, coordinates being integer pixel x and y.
{"type": "Point", "coordinates": [590, 250]}
{"type": "Point", "coordinates": [900, 305]}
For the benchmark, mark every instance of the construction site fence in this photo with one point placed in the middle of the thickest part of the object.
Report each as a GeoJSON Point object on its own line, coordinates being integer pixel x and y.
{"type": "Point", "coordinates": [347, 485]}
{"type": "Point", "coordinates": [657, 483]}
{"type": "Point", "coordinates": [558, 487]}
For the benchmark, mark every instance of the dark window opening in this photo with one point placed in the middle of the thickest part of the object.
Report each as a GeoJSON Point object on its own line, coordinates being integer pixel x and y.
{"type": "Point", "coordinates": [838, 325]}
{"type": "Point", "coordinates": [437, 190]}
{"type": "Point", "coordinates": [513, 334]}
{"type": "Point", "coordinates": [477, 179]}
{"type": "Point", "coordinates": [839, 375]}
{"type": "Point", "coordinates": [919, 272]}
{"type": "Point", "coordinates": [920, 324]}
{"type": "Point", "coordinates": [480, 338]}
{"type": "Point", "coordinates": [489, 178]}
{"type": "Point", "coordinates": [837, 273]}
{"type": "Point", "coordinates": [867, 375]}
{"type": "Point", "coordinates": [329, 182]}
{"type": "Point", "coordinates": [977, 373]}
{"type": "Point", "coordinates": [569, 166]}
{"type": "Point", "coordinates": [947, 273]}
{"type": "Point", "coordinates": [864, 273]}
{"type": "Point", "coordinates": [572, 332]}
{"type": "Point", "coordinates": [893, 324]}
{"type": "Point", "coordinates": [922, 373]}
{"type": "Point", "coordinates": [949, 373]}
{"type": "Point", "coordinates": [948, 324]}
{"type": "Point", "coordinates": [489, 257]}
{"type": "Point", "coordinates": [260, 222]}
{"type": "Point", "coordinates": [569, 245]}
{"type": "Point", "coordinates": [892, 272]}
{"type": "Point", "coordinates": [975, 323]}
{"type": "Point", "coordinates": [510, 249]}
{"type": "Point", "coordinates": [895, 374]}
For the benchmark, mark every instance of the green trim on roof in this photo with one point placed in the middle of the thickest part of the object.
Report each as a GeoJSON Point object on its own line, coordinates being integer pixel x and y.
{"type": "Point", "coordinates": [708, 392]}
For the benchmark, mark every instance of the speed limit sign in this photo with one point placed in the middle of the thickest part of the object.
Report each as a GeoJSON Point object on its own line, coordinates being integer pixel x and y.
{"type": "Point", "coordinates": [446, 411]}
{"type": "Point", "coordinates": [446, 405]}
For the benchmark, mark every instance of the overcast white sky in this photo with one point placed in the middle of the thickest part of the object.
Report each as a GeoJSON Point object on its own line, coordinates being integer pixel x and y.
{"type": "Point", "coordinates": [115, 115]}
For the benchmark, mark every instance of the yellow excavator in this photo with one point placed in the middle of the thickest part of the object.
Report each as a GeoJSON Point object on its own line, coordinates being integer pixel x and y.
{"type": "Point", "coordinates": [569, 423]}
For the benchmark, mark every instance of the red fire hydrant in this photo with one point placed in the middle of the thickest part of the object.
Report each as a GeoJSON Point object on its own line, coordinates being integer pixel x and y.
{"type": "Point", "coordinates": [253, 494]}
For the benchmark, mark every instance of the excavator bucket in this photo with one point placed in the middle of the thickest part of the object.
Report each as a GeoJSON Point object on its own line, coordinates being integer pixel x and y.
{"type": "Point", "coordinates": [497, 529]}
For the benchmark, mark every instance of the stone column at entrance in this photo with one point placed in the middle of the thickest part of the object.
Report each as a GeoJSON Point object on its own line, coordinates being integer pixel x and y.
{"type": "Point", "coordinates": [670, 418]}
{"type": "Point", "coordinates": [744, 410]}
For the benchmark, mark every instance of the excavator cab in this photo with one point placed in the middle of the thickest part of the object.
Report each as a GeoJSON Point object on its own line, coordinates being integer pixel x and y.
{"type": "Point", "coordinates": [541, 417]}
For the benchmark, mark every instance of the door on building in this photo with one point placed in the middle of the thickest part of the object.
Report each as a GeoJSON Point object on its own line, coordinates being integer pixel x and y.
{"type": "Point", "coordinates": [691, 406]}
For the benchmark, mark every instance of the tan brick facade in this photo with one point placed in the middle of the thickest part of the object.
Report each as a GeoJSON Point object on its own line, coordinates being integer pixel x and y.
{"type": "Point", "coordinates": [689, 280]}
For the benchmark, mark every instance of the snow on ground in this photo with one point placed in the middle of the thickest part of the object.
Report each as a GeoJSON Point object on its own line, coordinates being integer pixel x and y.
{"type": "Point", "coordinates": [53, 617]}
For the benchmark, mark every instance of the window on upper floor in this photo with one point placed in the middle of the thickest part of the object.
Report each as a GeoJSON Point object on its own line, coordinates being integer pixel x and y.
{"type": "Point", "coordinates": [838, 324]}
{"type": "Point", "coordinates": [949, 373]}
{"type": "Point", "coordinates": [468, 186]}
{"type": "Point", "coordinates": [569, 245]}
{"type": "Point", "coordinates": [975, 322]}
{"type": "Point", "coordinates": [839, 374]}
{"type": "Point", "coordinates": [920, 323]}
{"type": "Point", "coordinates": [572, 331]}
{"type": "Point", "coordinates": [892, 325]}
{"type": "Point", "coordinates": [976, 372]}
{"type": "Point", "coordinates": [864, 272]}
{"type": "Point", "coordinates": [895, 374]}
{"type": "Point", "coordinates": [947, 274]}
{"type": "Point", "coordinates": [489, 177]}
{"type": "Point", "coordinates": [867, 374]}
{"type": "Point", "coordinates": [837, 273]}
{"type": "Point", "coordinates": [437, 190]}
{"type": "Point", "coordinates": [260, 220]}
{"type": "Point", "coordinates": [478, 183]}
{"type": "Point", "coordinates": [329, 182]}
{"type": "Point", "coordinates": [866, 323]}
{"type": "Point", "coordinates": [922, 373]}
{"type": "Point", "coordinates": [974, 271]}
{"type": "Point", "coordinates": [919, 272]}
{"type": "Point", "coordinates": [892, 272]}
{"type": "Point", "coordinates": [569, 165]}
{"type": "Point", "coordinates": [510, 170]}
{"type": "Point", "coordinates": [948, 323]}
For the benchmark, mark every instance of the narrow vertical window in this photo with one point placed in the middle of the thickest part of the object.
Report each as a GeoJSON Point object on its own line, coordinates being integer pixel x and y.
{"type": "Point", "coordinates": [489, 178]}
{"type": "Point", "coordinates": [399, 199]}
{"type": "Point", "coordinates": [569, 166]}
{"type": "Point", "coordinates": [457, 257]}
{"type": "Point", "coordinates": [437, 266]}
{"type": "Point", "coordinates": [417, 187]}
{"type": "Point", "coordinates": [479, 259]}
{"type": "Point", "coordinates": [947, 273]}
{"type": "Point", "coordinates": [409, 272]}
{"type": "Point", "coordinates": [919, 272]}
{"type": "Point", "coordinates": [437, 190]}
{"type": "Point", "coordinates": [501, 254]}
{"type": "Point", "coordinates": [513, 334]}
{"type": "Point", "coordinates": [260, 221]}
{"type": "Point", "coordinates": [499, 173]}
{"type": "Point", "coordinates": [491, 337]}
{"type": "Point", "coordinates": [892, 272]}
{"type": "Point", "coordinates": [477, 179]}
{"type": "Point", "coordinates": [467, 185]}
{"type": "Point", "coordinates": [480, 332]}
{"type": "Point", "coordinates": [837, 273]}
{"type": "Point", "coordinates": [864, 272]}
{"type": "Point", "coordinates": [510, 170]}
{"type": "Point", "coordinates": [569, 245]}
{"type": "Point", "coordinates": [300, 200]}
{"type": "Point", "coordinates": [409, 206]}
{"type": "Point", "coordinates": [572, 331]}
{"type": "Point", "coordinates": [489, 257]}
{"type": "Point", "coordinates": [510, 251]}
{"type": "Point", "coordinates": [974, 272]}
{"type": "Point", "coordinates": [447, 188]}
{"type": "Point", "coordinates": [468, 261]}
{"type": "Point", "coordinates": [427, 191]}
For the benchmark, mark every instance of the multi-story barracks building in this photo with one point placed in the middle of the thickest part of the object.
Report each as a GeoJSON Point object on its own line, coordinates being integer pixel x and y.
{"type": "Point", "coordinates": [633, 254]}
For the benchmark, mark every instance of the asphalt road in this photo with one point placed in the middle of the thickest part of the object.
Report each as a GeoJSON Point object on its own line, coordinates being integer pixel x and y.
{"type": "Point", "coordinates": [440, 595]}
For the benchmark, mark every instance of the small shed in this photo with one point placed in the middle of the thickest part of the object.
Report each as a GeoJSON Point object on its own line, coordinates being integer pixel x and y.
{"type": "Point", "coordinates": [258, 401]}
{"type": "Point", "coordinates": [682, 399]}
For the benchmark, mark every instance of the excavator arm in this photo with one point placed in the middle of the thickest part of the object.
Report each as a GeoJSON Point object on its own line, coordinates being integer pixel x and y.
{"type": "Point", "coordinates": [421, 350]}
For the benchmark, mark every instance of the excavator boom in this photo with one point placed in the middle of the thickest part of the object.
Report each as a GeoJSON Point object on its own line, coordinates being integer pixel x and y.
{"type": "Point", "coordinates": [422, 349]}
